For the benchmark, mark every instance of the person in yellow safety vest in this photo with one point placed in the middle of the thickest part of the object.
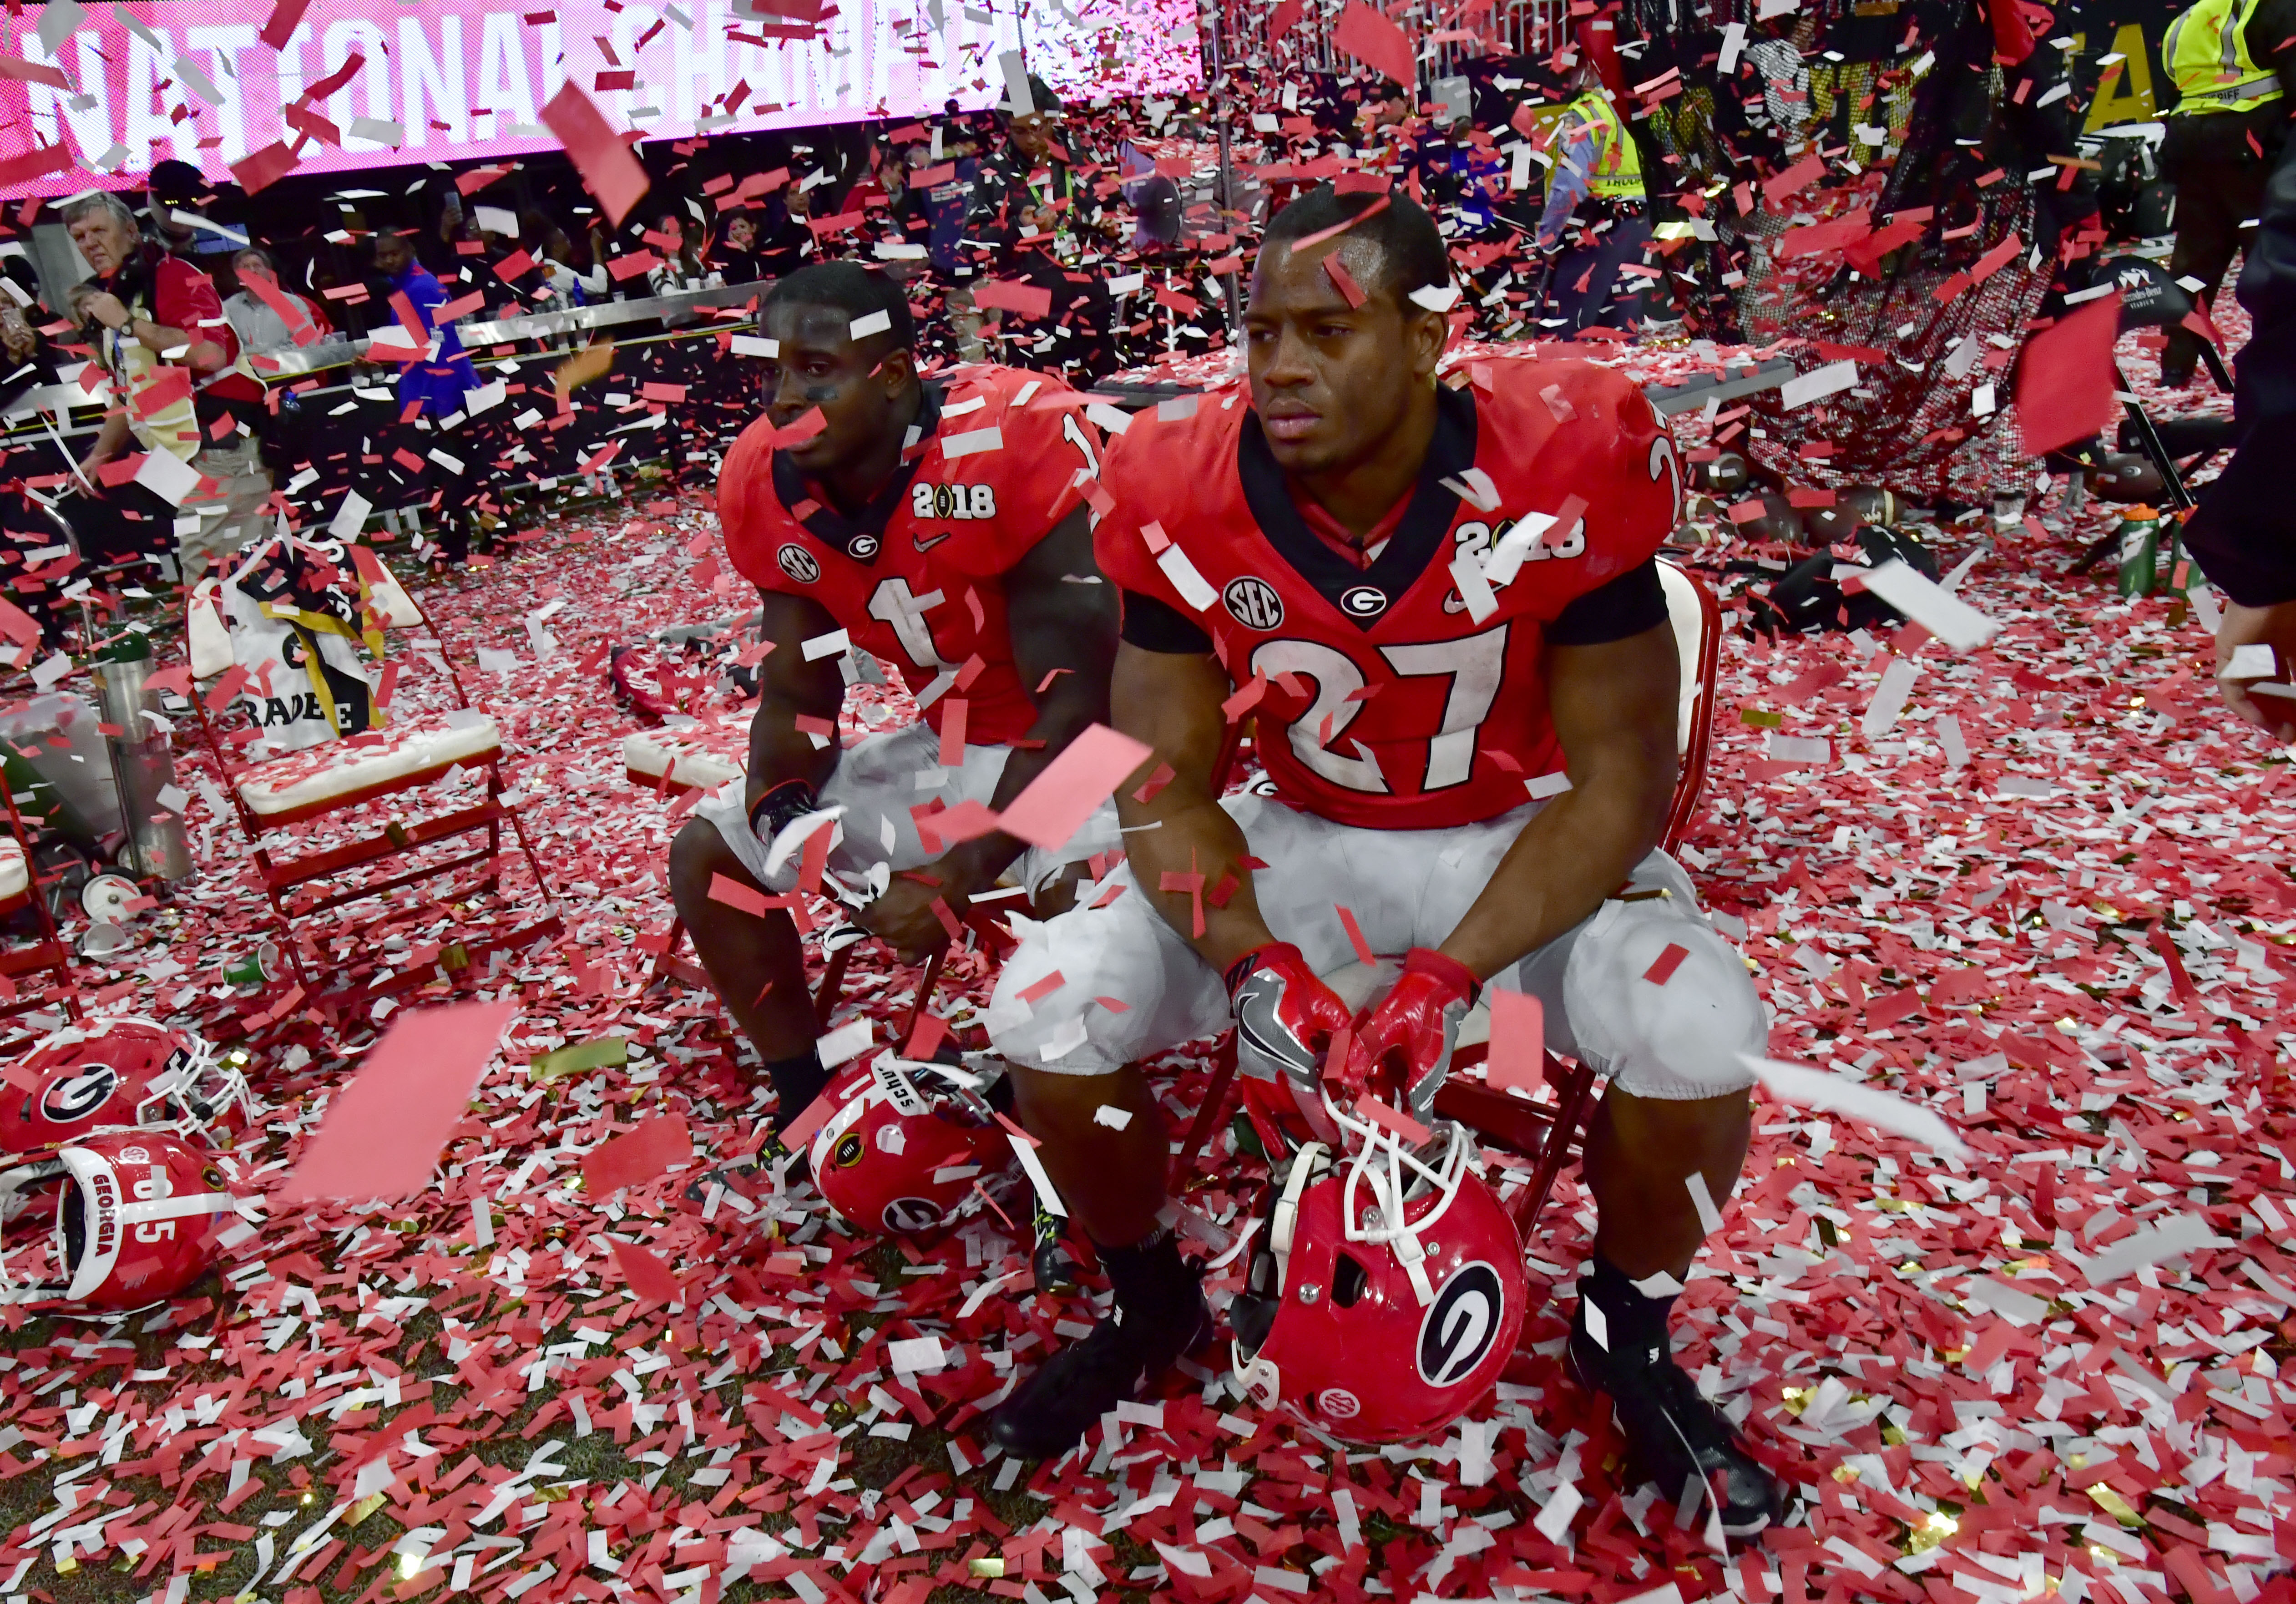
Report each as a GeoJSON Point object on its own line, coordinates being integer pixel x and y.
{"type": "Point", "coordinates": [2234, 63]}
{"type": "Point", "coordinates": [1596, 169]}
{"type": "Point", "coordinates": [1594, 155]}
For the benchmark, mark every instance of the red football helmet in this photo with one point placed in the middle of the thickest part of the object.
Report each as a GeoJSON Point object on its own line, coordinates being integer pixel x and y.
{"type": "Point", "coordinates": [899, 1127]}
{"type": "Point", "coordinates": [112, 1075]}
{"type": "Point", "coordinates": [1388, 1294]}
{"type": "Point", "coordinates": [134, 1225]}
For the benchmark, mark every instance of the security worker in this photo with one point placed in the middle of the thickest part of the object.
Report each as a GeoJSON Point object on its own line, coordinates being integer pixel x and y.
{"type": "Point", "coordinates": [2234, 63]}
{"type": "Point", "coordinates": [1595, 186]}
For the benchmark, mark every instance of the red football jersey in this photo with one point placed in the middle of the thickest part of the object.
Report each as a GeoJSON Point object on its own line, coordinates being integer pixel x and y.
{"type": "Point", "coordinates": [917, 580]}
{"type": "Point", "coordinates": [1387, 704]}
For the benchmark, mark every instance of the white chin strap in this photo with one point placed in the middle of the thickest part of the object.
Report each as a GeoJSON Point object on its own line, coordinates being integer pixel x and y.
{"type": "Point", "coordinates": [1390, 1188]}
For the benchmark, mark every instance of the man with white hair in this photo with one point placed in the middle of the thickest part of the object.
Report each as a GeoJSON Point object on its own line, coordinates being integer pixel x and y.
{"type": "Point", "coordinates": [184, 395]}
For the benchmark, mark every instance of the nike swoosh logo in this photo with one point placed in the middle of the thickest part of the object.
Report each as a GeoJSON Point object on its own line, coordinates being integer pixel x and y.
{"type": "Point", "coordinates": [926, 543]}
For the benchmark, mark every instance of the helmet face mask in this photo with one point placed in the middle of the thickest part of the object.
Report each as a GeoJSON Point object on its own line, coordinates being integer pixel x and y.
{"type": "Point", "coordinates": [123, 1074]}
{"type": "Point", "coordinates": [1389, 1293]}
{"type": "Point", "coordinates": [135, 1215]}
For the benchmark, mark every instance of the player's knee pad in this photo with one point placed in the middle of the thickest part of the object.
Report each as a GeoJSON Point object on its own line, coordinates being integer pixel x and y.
{"type": "Point", "coordinates": [1661, 1004]}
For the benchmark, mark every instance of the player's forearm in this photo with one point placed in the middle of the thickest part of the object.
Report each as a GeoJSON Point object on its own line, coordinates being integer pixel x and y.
{"type": "Point", "coordinates": [1574, 852]}
{"type": "Point", "coordinates": [1186, 839]}
{"type": "Point", "coordinates": [1061, 718]}
{"type": "Point", "coordinates": [780, 752]}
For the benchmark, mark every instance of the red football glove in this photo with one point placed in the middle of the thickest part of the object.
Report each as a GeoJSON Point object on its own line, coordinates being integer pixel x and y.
{"type": "Point", "coordinates": [1285, 1016]}
{"type": "Point", "coordinates": [1403, 1044]}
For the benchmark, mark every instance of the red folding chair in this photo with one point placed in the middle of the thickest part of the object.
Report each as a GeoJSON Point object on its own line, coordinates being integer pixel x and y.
{"type": "Point", "coordinates": [19, 887]}
{"type": "Point", "coordinates": [1548, 1133]}
{"type": "Point", "coordinates": [333, 784]}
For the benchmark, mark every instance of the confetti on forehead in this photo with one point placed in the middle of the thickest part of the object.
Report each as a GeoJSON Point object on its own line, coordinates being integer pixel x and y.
{"type": "Point", "coordinates": [1307, 242]}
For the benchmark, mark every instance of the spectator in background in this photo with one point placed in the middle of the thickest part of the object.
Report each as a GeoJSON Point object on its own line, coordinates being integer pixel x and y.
{"type": "Point", "coordinates": [554, 251]}
{"type": "Point", "coordinates": [784, 242]}
{"type": "Point", "coordinates": [157, 329]}
{"type": "Point", "coordinates": [1595, 187]}
{"type": "Point", "coordinates": [262, 332]}
{"type": "Point", "coordinates": [176, 191]}
{"type": "Point", "coordinates": [2241, 536]}
{"type": "Point", "coordinates": [2235, 68]}
{"type": "Point", "coordinates": [1040, 218]}
{"type": "Point", "coordinates": [431, 388]}
{"type": "Point", "coordinates": [289, 436]}
{"type": "Point", "coordinates": [736, 257]}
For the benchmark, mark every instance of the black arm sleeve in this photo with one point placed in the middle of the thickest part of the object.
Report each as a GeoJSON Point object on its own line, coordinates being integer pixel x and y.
{"type": "Point", "coordinates": [1154, 625]}
{"type": "Point", "coordinates": [1612, 611]}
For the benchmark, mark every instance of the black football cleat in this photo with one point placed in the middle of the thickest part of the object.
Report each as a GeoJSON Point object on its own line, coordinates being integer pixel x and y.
{"type": "Point", "coordinates": [752, 1174]}
{"type": "Point", "coordinates": [1051, 1411]}
{"type": "Point", "coordinates": [1673, 1434]}
{"type": "Point", "coordinates": [1049, 1261]}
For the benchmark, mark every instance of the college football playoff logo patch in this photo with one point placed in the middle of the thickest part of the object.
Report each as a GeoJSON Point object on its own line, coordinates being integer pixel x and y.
{"type": "Point", "coordinates": [1254, 602]}
{"type": "Point", "coordinates": [78, 1094]}
{"type": "Point", "coordinates": [1460, 1326]}
{"type": "Point", "coordinates": [798, 563]}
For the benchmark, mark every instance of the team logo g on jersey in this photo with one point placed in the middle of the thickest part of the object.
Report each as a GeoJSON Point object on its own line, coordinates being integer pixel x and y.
{"type": "Point", "coordinates": [1254, 602]}
{"type": "Point", "coordinates": [953, 501]}
{"type": "Point", "coordinates": [798, 563]}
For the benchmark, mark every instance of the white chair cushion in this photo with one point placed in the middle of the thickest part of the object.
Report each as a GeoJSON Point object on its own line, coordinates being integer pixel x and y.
{"type": "Point", "coordinates": [704, 758]}
{"type": "Point", "coordinates": [325, 774]}
{"type": "Point", "coordinates": [14, 875]}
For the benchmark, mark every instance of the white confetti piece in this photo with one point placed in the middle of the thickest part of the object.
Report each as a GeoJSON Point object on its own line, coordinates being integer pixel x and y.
{"type": "Point", "coordinates": [1929, 604]}
{"type": "Point", "coordinates": [1562, 1505]}
{"type": "Point", "coordinates": [974, 442]}
{"type": "Point", "coordinates": [1807, 1088]}
{"type": "Point", "coordinates": [1818, 384]}
{"type": "Point", "coordinates": [2154, 1244]}
{"type": "Point", "coordinates": [1709, 1218]}
{"type": "Point", "coordinates": [1115, 1119]}
{"type": "Point", "coordinates": [832, 644]}
{"type": "Point", "coordinates": [1185, 579]}
{"type": "Point", "coordinates": [848, 1041]}
{"type": "Point", "coordinates": [2251, 662]}
{"type": "Point", "coordinates": [1890, 697]}
{"type": "Point", "coordinates": [873, 322]}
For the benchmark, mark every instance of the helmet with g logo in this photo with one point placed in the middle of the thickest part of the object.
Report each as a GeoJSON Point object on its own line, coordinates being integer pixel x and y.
{"type": "Point", "coordinates": [906, 1145]}
{"type": "Point", "coordinates": [1387, 1293]}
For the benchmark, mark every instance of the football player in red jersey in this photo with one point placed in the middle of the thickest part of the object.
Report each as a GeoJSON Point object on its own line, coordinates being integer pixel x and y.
{"type": "Point", "coordinates": [1439, 603]}
{"type": "Point", "coordinates": [938, 524]}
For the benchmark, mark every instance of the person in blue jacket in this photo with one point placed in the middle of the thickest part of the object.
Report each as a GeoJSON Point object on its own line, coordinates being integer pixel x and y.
{"type": "Point", "coordinates": [441, 426]}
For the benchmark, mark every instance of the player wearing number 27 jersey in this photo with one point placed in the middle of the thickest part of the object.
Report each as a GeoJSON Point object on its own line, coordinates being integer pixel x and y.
{"type": "Point", "coordinates": [1385, 697]}
{"type": "Point", "coordinates": [1437, 593]}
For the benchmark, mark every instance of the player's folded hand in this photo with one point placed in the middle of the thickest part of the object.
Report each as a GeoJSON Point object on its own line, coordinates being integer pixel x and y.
{"type": "Point", "coordinates": [905, 918]}
{"type": "Point", "coordinates": [785, 820]}
{"type": "Point", "coordinates": [1402, 1048]}
{"type": "Point", "coordinates": [1285, 1016]}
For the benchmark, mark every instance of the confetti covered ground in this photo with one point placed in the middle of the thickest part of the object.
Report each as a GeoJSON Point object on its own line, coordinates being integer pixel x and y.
{"type": "Point", "coordinates": [2048, 899]}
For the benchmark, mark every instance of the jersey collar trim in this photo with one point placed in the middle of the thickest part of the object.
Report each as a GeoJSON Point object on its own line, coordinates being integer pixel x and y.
{"type": "Point", "coordinates": [1363, 596]}
{"type": "Point", "coordinates": [860, 538]}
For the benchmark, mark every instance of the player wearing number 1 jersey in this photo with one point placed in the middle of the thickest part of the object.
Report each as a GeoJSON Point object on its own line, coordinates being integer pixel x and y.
{"type": "Point", "coordinates": [936, 525]}
{"type": "Point", "coordinates": [1437, 602]}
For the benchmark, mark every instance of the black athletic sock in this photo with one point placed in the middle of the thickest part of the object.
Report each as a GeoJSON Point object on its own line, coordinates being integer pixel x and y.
{"type": "Point", "coordinates": [1632, 1323]}
{"type": "Point", "coordinates": [1155, 1290]}
{"type": "Point", "coordinates": [797, 1082]}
